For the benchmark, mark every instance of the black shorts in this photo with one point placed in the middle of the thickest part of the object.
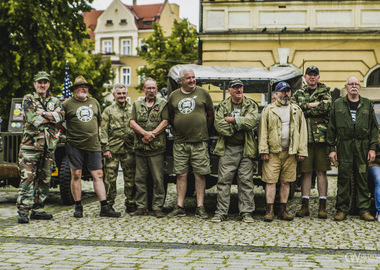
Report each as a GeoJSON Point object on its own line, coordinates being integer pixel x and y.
{"type": "Point", "coordinates": [77, 156]}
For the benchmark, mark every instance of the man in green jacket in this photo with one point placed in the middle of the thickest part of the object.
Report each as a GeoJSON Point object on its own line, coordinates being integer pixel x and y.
{"type": "Point", "coordinates": [150, 117]}
{"type": "Point", "coordinates": [315, 102]}
{"type": "Point", "coordinates": [352, 136]}
{"type": "Point", "coordinates": [116, 139]}
{"type": "Point", "coordinates": [235, 119]}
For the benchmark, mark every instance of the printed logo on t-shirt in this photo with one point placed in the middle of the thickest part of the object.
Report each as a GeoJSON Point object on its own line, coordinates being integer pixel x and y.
{"type": "Point", "coordinates": [187, 105]}
{"type": "Point", "coordinates": [85, 113]}
{"type": "Point", "coordinates": [236, 113]}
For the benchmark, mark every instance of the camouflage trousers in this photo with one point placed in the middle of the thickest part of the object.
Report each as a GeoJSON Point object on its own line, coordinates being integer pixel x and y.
{"type": "Point", "coordinates": [111, 170]}
{"type": "Point", "coordinates": [35, 169]}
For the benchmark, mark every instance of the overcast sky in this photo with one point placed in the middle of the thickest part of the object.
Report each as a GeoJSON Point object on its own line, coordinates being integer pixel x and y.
{"type": "Point", "coordinates": [188, 8]}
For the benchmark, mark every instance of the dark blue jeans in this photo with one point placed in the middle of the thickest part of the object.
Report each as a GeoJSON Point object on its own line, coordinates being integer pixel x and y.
{"type": "Point", "coordinates": [375, 173]}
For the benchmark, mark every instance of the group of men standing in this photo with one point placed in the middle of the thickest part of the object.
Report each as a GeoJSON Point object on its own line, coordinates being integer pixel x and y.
{"type": "Point", "coordinates": [304, 128]}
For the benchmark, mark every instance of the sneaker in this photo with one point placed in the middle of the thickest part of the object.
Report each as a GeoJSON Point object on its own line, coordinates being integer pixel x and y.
{"type": "Point", "coordinates": [140, 212]}
{"type": "Point", "coordinates": [378, 216]}
{"type": "Point", "coordinates": [218, 218]}
{"type": "Point", "coordinates": [201, 212]}
{"type": "Point", "coordinates": [130, 207]}
{"type": "Point", "coordinates": [247, 218]}
{"type": "Point", "coordinates": [178, 211]}
{"type": "Point", "coordinates": [159, 214]}
{"type": "Point", "coordinates": [108, 211]}
{"type": "Point", "coordinates": [78, 213]}
{"type": "Point", "coordinates": [23, 218]}
{"type": "Point", "coordinates": [41, 215]}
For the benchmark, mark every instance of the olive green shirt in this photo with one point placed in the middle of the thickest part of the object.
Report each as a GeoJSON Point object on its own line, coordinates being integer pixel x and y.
{"type": "Point", "coordinates": [82, 123]}
{"type": "Point", "coordinates": [189, 112]}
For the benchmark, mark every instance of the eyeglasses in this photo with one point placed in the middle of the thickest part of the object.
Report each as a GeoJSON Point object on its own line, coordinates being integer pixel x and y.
{"type": "Point", "coordinates": [353, 84]}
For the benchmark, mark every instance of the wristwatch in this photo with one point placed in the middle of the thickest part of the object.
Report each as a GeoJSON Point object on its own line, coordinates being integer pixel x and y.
{"type": "Point", "coordinates": [43, 113]}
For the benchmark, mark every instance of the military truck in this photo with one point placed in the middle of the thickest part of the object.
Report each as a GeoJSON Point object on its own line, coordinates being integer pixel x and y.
{"type": "Point", "coordinates": [9, 149]}
{"type": "Point", "coordinates": [259, 84]}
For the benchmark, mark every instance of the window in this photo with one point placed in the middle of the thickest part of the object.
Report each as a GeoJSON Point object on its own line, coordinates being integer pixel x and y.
{"type": "Point", "coordinates": [374, 78]}
{"type": "Point", "coordinates": [109, 22]}
{"type": "Point", "coordinates": [126, 76]}
{"type": "Point", "coordinates": [123, 21]}
{"type": "Point", "coordinates": [143, 45]}
{"type": "Point", "coordinates": [107, 46]}
{"type": "Point", "coordinates": [126, 47]}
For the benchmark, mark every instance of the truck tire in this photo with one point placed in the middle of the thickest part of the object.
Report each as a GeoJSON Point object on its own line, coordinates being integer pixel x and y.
{"type": "Point", "coordinates": [64, 182]}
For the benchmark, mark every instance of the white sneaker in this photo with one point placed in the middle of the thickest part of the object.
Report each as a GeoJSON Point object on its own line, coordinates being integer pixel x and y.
{"type": "Point", "coordinates": [377, 216]}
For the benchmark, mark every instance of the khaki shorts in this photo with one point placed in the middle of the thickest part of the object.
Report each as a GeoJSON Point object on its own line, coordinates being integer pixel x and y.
{"type": "Point", "coordinates": [317, 159]}
{"type": "Point", "coordinates": [194, 154]}
{"type": "Point", "coordinates": [280, 165]}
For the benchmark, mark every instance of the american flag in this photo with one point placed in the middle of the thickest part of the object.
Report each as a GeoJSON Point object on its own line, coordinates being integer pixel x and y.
{"type": "Point", "coordinates": [66, 93]}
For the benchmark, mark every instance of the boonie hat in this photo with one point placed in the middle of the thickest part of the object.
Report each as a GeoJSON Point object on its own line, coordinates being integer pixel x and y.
{"type": "Point", "coordinates": [235, 82]}
{"type": "Point", "coordinates": [282, 86]}
{"type": "Point", "coordinates": [312, 69]}
{"type": "Point", "coordinates": [80, 80]}
{"type": "Point", "coordinates": [41, 75]}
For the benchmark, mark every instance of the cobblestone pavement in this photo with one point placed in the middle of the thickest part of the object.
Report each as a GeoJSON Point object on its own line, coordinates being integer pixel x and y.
{"type": "Point", "coordinates": [185, 243]}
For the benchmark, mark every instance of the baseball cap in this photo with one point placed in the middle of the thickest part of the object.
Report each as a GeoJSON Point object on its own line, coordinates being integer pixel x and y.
{"type": "Point", "coordinates": [282, 86]}
{"type": "Point", "coordinates": [235, 82]}
{"type": "Point", "coordinates": [41, 75]}
{"type": "Point", "coordinates": [312, 69]}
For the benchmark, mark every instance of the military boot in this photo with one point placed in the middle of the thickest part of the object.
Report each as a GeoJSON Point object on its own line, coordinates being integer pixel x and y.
{"type": "Point", "coordinates": [304, 211]}
{"type": "Point", "coordinates": [22, 218]}
{"type": "Point", "coordinates": [322, 209]}
{"type": "Point", "coordinates": [282, 214]}
{"type": "Point", "coordinates": [269, 215]}
{"type": "Point", "coordinates": [108, 211]}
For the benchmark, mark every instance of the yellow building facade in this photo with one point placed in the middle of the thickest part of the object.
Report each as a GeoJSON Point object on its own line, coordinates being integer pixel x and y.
{"type": "Point", "coordinates": [341, 38]}
{"type": "Point", "coordinates": [120, 29]}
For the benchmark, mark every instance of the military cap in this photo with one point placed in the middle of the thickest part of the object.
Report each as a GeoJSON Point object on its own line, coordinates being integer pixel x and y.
{"type": "Point", "coordinates": [41, 75]}
{"type": "Point", "coordinates": [281, 86]}
{"type": "Point", "coordinates": [312, 69]}
{"type": "Point", "coordinates": [235, 82]}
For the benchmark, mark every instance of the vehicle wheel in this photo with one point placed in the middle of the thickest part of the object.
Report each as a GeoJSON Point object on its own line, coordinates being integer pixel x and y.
{"type": "Point", "coordinates": [64, 182]}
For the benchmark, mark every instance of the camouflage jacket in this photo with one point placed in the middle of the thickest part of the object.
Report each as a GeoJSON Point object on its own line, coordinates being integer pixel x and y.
{"type": "Point", "coordinates": [36, 134]}
{"type": "Point", "coordinates": [318, 117]}
{"type": "Point", "coordinates": [115, 134]}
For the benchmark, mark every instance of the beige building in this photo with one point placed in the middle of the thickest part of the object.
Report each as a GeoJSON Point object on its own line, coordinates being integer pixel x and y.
{"type": "Point", "coordinates": [341, 38]}
{"type": "Point", "coordinates": [120, 29]}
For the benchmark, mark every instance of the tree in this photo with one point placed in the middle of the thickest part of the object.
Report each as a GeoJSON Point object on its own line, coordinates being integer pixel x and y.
{"type": "Point", "coordinates": [41, 35]}
{"type": "Point", "coordinates": [161, 52]}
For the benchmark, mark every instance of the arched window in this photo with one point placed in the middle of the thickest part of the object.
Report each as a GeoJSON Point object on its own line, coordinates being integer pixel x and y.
{"type": "Point", "coordinates": [374, 78]}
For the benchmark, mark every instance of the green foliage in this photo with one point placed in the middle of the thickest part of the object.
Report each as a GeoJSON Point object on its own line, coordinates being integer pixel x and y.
{"type": "Point", "coordinates": [162, 52]}
{"type": "Point", "coordinates": [42, 35]}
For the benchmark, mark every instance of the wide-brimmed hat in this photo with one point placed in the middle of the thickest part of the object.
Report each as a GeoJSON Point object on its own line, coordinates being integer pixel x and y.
{"type": "Point", "coordinates": [80, 80]}
{"type": "Point", "coordinates": [41, 75]}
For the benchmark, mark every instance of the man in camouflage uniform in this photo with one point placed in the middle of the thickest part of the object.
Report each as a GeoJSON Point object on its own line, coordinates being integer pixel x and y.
{"type": "Point", "coordinates": [116, 139]}
{"type": "Point", "coordinates": [41, 112]}
{"type": "Point", "coordinates": [315, 102]}
{"type": "Point", "coordinates": [149, 119]}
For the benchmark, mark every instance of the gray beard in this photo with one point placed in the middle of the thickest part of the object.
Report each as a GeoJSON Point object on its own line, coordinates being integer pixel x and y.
{"type": "Point", "coordinates": [283, 101]}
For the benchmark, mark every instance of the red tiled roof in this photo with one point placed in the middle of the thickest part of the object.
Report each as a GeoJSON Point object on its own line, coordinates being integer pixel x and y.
{"type": "Point", "coordinates": [91, 19]}
{"type": "Point", "coordinates": [146, 13]}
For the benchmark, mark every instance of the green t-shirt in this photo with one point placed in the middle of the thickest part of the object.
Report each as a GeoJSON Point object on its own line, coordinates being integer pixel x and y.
{"type": "Point", "coordinates": [239, 136]}
{"type": "Point", "coordinates": [189, 111]}
{"type": "Point", "coordinates": [82, 123]}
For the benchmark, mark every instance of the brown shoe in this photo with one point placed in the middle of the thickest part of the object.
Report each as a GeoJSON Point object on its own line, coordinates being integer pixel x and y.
{"type": "Point", "coordinates": [367, 217]}
{"type": "Point", "coordinates": [140, 212]}
{"type": "Point", "coordinates": [269, 215]}
{"type": "Point", "coordinates": [282, 214]}
{"type": "Point", "coordinates": [304, 211]}
{"type": "Point", "coordinates": [159, 214]}
{"type": "Point", "coordinates": [322, 209]}
{"type": "Point", "coordinates": [340, 216]}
